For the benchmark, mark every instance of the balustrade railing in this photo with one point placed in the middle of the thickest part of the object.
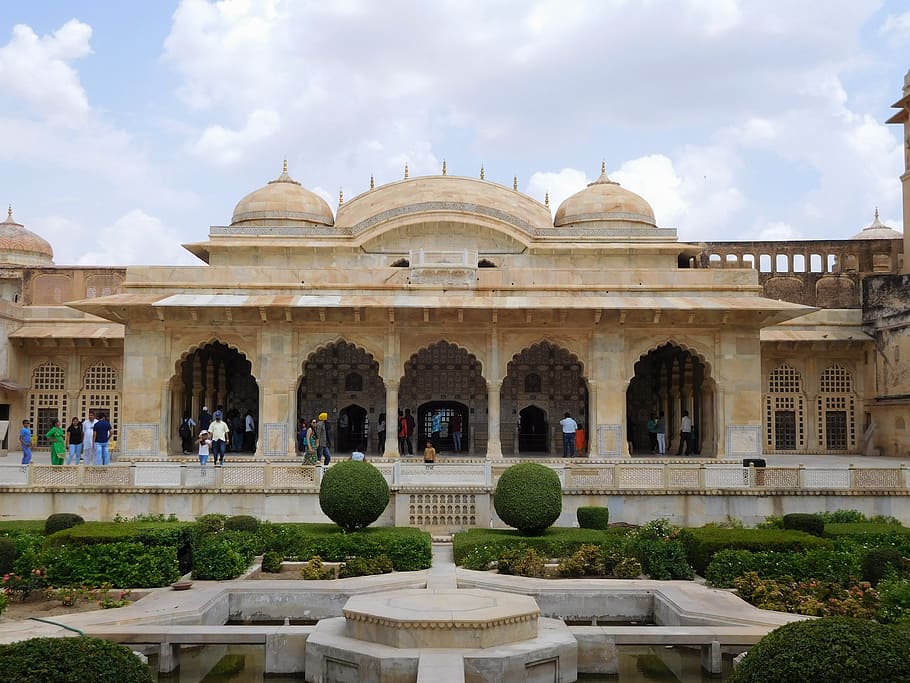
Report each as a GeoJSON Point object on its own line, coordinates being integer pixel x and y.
{"type": "Point", "coordinates": [624, 475]}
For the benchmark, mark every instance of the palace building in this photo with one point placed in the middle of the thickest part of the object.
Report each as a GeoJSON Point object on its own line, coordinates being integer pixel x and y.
{"type": "Point", "coordinates": [470, 297]}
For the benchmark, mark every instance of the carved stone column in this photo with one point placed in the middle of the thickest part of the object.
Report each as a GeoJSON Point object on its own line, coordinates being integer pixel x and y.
{"type": "Point", "coordinates": [390, 449]}
{"type": "Point", "coordinates": [494, 443]}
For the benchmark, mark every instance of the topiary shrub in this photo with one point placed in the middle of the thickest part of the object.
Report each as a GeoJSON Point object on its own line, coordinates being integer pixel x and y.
{"type": "Point", "coordinates": [241, 523]}
{"type": "Point", "coordinates": [70, 660]}
{"type": "Point", "coordinates": [878, 561]}
{"type": "Point", "coordinates": [211, 524]}
{"type": "Point", "coordinates": [217, 559]}
{"type": "Point", "coordinates": [593, 517]}
{"type": "Point", "coordinates": [829, 649]}
{"type": "Point", "coordinates": [60, 521]}
{"type": "Point", "coordinates": [528, 498]}
{"type": "Point", "coordinates": [802, 521]}
{"type": "Point", "coordinates": [353, 494]}
{"type": "Point", "coordinates": [271, 562]}
{"type": "Point", "coordinates": [7, 555]}
{"type": "Point", "coordinates": [364, 566]}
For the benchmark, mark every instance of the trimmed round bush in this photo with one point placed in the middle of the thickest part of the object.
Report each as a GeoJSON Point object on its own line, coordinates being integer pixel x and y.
{"type": "Point", "coordinates": [877, 562]}
{"type": "Point", "coordinates": [593, 517]}
{"type": "Point", "coordinates": [241, 523]}
{"type": "Point", "coordinates": [528, 498]}
{"type": "Point", "coordinates": [271, 562]}
{"type": "Point", "coordinates": [803, 521]}
{"type": "Point", "coordinates": [60, 521]}
{"type": "Point", "coordinates": [828, 649]}
{"type": "Point", "coordinates": [70, 660]}
{"type": "Point", "coordinates": [353, 494]}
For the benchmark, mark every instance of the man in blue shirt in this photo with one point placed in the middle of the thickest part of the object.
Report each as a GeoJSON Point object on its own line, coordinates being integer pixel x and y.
{"type": "Point", "coordinates": [436, 430]}
{"type": "Point", "coordinates": [101, 435]}
{"type": "Point", "coordinates": [25, 442]}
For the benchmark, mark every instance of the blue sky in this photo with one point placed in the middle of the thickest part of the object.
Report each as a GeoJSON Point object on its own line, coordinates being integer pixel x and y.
{"type": "Point", "coordinates": [129, 128]}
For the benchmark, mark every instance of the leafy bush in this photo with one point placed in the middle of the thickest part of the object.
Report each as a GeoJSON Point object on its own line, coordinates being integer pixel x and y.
{"type": "Point", "coordinates": [61, 520]}
{"type": "Point", "coordinates": [811, 598]}
{"type": "Point", "coordinates": [70, 660]}
{"type": "Point", "coordinates": [522, 562]}
{"type": "Point", "coordinates": [126, 565]}
{"type": "Point", "coordinates": [409, 549]}
{"type": "Point", "coordinates": [593, 517]}
{"type": "Point", "coordinates": [840, 566]}
{"type": "Point", "coordinates": [894, 601]}
{"type": "Point", "coordinates": [628, 568]}
{"type": "Point", "coordinates": [7, 555]}
{"type": "Point", "coordinates": [314, 571]}
{"type": "Point", "coordinates": [216, 558]}
{"type": "Point", "coordinates": [353, 494]}
{"type": "Point", "coordinates": [658, 547]}
{"type": "Point", "coordinates": [241, 523]}
{"type": "Point", "coordinates": [211, 524]}
{"type": "Point", "coordinates": [483, 546]}
{"type": "Point", "coordinates": [872, 535]}
{"type": "Point", "coordinates": [14, 527]}
{"type": "Point", "coordinates": [588, 560]}
{"type": "Point", "coordinates": [801, 521]}
{"type": "Point", "coordinates": [528, 497]}
{"type": "Point", "coordinates": [271, 562]}
{"type": "Point", "coordinates": [879, 561]}
{"type": "Point", "coordinates": [842, 516]}
{"type": "Point", "coordinates": [832, 649]}
{"type": "Point", "coordinates": [363, 566]}
{"type": "Point", "coordinates": [702, 543]}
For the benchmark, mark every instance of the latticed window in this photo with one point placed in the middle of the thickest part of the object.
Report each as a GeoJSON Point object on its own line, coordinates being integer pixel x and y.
{"type": "Point", "coordinates": [836, 410]}
{"type": "Point", "coordinates": [836, 380]}
{"type": "Point", "coordinates": [49, 377]}
{"type": "Point", "coordinates": [100, 377]}
{"type": "Point", "coordinates": [532, 383]}
{"type": "Point", "coordinates": [785, 379]}
{"type": "Point", "coordinates": [353, 381]}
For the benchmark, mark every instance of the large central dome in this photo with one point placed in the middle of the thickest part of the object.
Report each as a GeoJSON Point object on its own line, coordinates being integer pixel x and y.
{"type": "Point", "coordinates": [604, 202]}
{"type": "Point", "coordinates": [283, 201]}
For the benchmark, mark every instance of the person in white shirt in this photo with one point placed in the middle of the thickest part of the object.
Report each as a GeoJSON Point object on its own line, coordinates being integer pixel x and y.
{"type": "Point", "coordinates": [685, 435]}
{"type": "Point", "coordinates": [88, 435]}
{"type": "Point", "coordinates": [569, 427]}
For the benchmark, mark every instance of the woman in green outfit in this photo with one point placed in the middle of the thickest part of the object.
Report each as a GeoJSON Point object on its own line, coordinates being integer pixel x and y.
{"type": "Point", "coordinates": [56, 437]}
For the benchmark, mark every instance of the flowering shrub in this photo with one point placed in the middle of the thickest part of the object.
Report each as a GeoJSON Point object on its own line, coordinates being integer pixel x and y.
{"type": "Point", "coordinates": [18, 587]}
{"type": "Point", "coordinates": [658, 545]}
{"type": "Point", "coordinates": [812, 598]}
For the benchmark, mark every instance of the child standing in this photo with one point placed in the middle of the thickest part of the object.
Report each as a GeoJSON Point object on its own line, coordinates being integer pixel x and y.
{"type": "Point", "coordinates": [429, 454]}
{"type": "Point", "coordinates": [205, 443]}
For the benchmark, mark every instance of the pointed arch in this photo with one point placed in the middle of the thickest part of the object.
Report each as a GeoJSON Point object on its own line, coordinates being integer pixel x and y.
{"type": "Point", "coordinates": [836, 409]}
{"type": "Point", "coordinates": [212, 340]}
{"type": "Point", "coordinates": [694, 348]}
{"type": "Point", "coordinates": [375, 351]}
{"type": "Point", "coordinates": [785, 409]}
{"type": "Point", "coordinates": [438, 344]}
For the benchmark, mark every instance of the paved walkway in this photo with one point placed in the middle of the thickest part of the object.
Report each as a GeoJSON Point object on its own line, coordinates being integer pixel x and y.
{"type": "Point", "coordinates": [442, 574]}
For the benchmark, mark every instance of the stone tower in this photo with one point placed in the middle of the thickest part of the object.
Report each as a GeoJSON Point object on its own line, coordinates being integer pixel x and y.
{"type": "Point", "coordinates": [903, 117]}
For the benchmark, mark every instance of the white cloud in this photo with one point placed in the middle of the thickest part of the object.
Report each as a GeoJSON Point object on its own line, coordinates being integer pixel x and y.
{"type": "Point", "coordinates": [776, 230]}
{"type": "Point", "coordinates": [560, 184]}
{"type": "Point", "coordinates": [655, 178]}
{"type": "Point", "coordinates": [897, 27]}
{"type": "Point", "coordinates": [136, 238]}
{"type": "Point", "coordinates": [38, 71]}
{"type": "Point", "coordinates": [225, 146]}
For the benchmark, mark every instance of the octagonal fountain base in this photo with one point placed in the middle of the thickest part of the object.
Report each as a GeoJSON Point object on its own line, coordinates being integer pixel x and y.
{"type": "Point", "coordinates": [390, 637]}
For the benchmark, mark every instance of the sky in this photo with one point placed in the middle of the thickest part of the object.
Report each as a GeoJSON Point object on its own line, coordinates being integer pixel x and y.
{"type": "Point", "coordinates": [127, 129]}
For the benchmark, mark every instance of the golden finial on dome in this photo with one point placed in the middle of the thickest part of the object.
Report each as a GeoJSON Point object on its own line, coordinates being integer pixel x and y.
{"type": "Point", "coordinates": [9, 213]}
{"type": "Point", "coordinates": [546, 198]}
{"type": "Point", "coordinates": [482, 174]}
{"type": "Point", "coordinates": [372, 182]}
{"type": "Point", "coordinates": [876, 213]}
{"type": "Point", "coordinates": [515, 183]}
{"type": "Point", "coordinates": [444, 170]}
{"type": "Point", "coordinates": [405, 170]}
{"type": "Point", "coordinates": [284, 166]}
{"type": "Point", "coordinates": [603, 168]}
{"type": "Point", "coordinates": [340, 196]}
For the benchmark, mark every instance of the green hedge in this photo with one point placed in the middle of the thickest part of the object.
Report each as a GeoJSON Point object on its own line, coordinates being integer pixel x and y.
{"type": "Point", "coordinates": [820, 564]}
{"type": "Point", "coordinates": [554, 542]}
{"type": "Point", "coordinates": [871, 534]}
{"type": "Point", "coordinates": [593, 517]}
{"type": "Point", "coordinates": [409, 549]}
{"type": "Point", "coordinates": [703, 542]}
{"type": "Point", "coordinates": [125, 565]}
{"type": "Point", "coordinates": [26, 526]}
{"type": "Point", "coordinates": [70, 660]}
{"type": "Point", "coordinates": [805, 521]}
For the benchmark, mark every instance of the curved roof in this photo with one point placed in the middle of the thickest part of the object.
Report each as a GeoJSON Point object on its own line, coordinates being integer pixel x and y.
{"type": "Point", "coordinates": [283, 201]}
{"type": "Point", "coordinates": [604, 202]}
{"type": "Point", "coordinates": [443, 194]}
{"type": "Point", "coordinates": [21, 246]}
{"type": "Point", "coordinates": [878, 231]}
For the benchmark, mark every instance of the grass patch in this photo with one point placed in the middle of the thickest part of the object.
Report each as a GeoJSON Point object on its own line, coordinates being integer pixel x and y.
{"type": "Point", "coordinates": [10, 527]}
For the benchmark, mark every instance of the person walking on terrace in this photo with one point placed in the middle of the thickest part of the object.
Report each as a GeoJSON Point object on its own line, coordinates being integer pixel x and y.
{"type": "Point", "coordinates": [205, 444]}
{"type": "Point", "coordinates": [436, 431]}
{"type": "Point", "coordinates": [185, 431]}
{"type": "Point", "coordinates": [662, 434]}
{"type": "Point", "coordinates": [25, 442]}
{"type": "Point", "coordinates": [323, 442]}
{"type": "Point", "coordinates": [219, 432]}
{"type": "Point", "coordinates": [56, 437]}
{"type": "Point", "coordinates": [685, 435]}
{"type": "Point", "coordinates": [74, 438]}
{"type": "Point", "coordinates": [652, 433]}
{"type": "Point", "coordinates": [455, 428]}
{"type": "Point", "coordinates": [101, 435]}
{"type": "Point", "coordinates": [88, 438]}
{"type": "Point", "coordinates": [569, 427]}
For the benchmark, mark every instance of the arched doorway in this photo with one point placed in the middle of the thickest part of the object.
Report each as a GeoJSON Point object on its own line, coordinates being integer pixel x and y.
{"type": "Point", "coordinates": [546, 378]}
{"type": "Point", "coordinates": [533, 430]}
{"type": "Point", "coordinates": [213, 375]}
{"type": "Point", "coordinates": [448, 411]}
{"type": "Point", "coordinates": [446, 376]}
{"type": "Point", "coordinates": [670, 379]}
{"type": "Point", "coordinates": [343, 380]}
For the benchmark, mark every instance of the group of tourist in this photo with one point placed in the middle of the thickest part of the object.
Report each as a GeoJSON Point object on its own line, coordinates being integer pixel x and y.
{"type": "Point", "coordinates": [88, 440]}
{"type": "Point", "coordinates": [657, 434]}
{"type": "Point", "coordinates": [218, 433]}
{"type": "Point", "coordinates": [314, 441]}
{"type": "Point", "coordinates": [407, 427]}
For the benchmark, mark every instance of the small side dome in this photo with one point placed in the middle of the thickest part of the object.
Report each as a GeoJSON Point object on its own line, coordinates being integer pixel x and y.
{"type": "Point", "coordinates": [878, 231]}
{"type": "Point", "coordinates": [22, 247]}
{"type": "Point", "coordinates": [604, 201]}
{"type": "Point", "coordinates": [283, 201]}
